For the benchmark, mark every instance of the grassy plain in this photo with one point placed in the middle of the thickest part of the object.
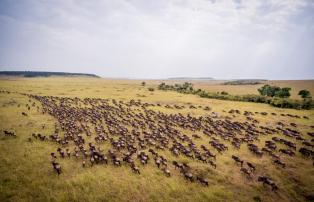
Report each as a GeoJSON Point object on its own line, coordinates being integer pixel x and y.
{"type": "Point", "coordinates": [26, 173]}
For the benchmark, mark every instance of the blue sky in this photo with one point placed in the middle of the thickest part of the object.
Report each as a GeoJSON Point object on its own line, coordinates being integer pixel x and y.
{"type": "Point", "coordinates": [271, 39]}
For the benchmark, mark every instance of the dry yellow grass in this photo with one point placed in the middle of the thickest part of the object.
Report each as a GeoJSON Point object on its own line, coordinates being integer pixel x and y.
{"type": "Point", "coordinates": [26, 173]}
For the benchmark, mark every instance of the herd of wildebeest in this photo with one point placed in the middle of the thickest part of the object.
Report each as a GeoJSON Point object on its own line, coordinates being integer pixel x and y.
{"type": "Point", "coordinates": [137, 132]}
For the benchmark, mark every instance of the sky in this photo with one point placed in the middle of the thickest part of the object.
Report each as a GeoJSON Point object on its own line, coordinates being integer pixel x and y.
{"type": "Point", "coordinates": [223, 39]}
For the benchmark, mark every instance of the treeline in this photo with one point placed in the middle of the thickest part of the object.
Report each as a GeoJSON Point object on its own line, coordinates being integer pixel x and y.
{"type": "Point", "coordinates": [43, 74]}
{"type": "Point", "coordinates": [244, 82]}
{"type": "Point", "coordinates": [282, 102]}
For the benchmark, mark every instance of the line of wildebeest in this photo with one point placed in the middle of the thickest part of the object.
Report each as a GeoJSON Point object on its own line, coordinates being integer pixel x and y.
{"type": "Point", "coordinates": [137, 133]}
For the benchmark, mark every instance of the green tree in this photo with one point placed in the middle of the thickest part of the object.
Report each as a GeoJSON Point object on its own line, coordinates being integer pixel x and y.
{"type": "Point", "coordinates": [187, 86]}
{"type": "Point", "coordinates": [268, 90]}
{"type": "Point", "coordinates": [161, 86]}
{"type": "Point", "coordinates": [283, 92]}
{"type": "Point", "coordinates": [304, 93]}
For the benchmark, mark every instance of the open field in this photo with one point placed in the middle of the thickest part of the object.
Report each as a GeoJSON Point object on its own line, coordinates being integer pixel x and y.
{"type": "Point", "coordinates": [27, 173]}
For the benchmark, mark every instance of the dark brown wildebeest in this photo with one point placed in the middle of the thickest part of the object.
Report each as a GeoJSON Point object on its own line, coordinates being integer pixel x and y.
{"type": "Point", "coordinates": [135, 168]}
{"type": "Point", "coordinates": [188, 176]}
{"type": "Point", "coordinates": [176, 165]}
{"type": "Point", "coordinates": [287, 151]}
{"type": "Point", "coordinates": [268, 181]}
{"type": "Point", "coordinates": [278, 162]}
{"type": "Point", "coordinates": [237, 160]}
{"type": "Point", "coordinates": [251, 166]}
{"type": "Point", "coordinates": [166, 172]}
{"type": "Point", "coordinates": [212, 163]}
{"type": "Point", "coordinates": [56, 166]}
{"type": "Point", "coordinates": [247, 172]}
{"type": "Point", "coordinates": [9, 133]}
{"type": "Point", "coordinates": [202, 181]}
{"type": "Point", "coordinates": [306, 152]}
{"type": "Point", "coordinates": [53, 156]}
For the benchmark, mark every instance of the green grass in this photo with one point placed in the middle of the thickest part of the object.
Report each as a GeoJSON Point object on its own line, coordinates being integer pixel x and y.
{"type": "Point", "coordinates": [27, 175]}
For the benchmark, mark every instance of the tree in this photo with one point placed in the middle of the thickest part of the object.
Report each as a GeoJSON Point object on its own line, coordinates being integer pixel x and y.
{"type": "Point", "coordinates": [283, 92]}
{"type": "Point", "coordinates": [143, 83]}
{"type": "Point", "coordinates": [187, 86]}
{"type": "Point", "coordinates": [161, 86]}
{"type": "Point", "coordinates": [304, 93]}
{"type": "Point", "coordinates": [268, 90]}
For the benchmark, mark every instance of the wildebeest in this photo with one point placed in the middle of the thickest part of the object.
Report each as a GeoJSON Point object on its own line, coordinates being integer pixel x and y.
{"type": "Point", "coordinates": [237, 160]}
{"type": "Point", "coordinates": [251, 166]}
{"type": "Point", "coordinates": [247, 172]}
{"type": "Point", "coordinates": [188, 176]}
{"type": "Point", "coordinates": [135, 168]}
{"type": "Point", "coordinates": [267, 181]}
{"type": "Point", "coordinates": [166, 171]}
{"type": "Point", "coordinates": [202, 180]}
{"type": "Point", "coordinates": [9, 133]}
{"type": "Point", "coordinates": [287, 151]}
{"type": "Point", "coordinates": [56, 166]}
{"type": "Point", "coordinates": [306, 152]}
{"type": "Point", "coordinates": [279, 162]}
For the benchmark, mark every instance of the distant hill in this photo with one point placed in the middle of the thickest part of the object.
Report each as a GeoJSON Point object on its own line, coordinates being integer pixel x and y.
{"type": "Point", "coordinates": [245, 82]}
{"type": "Point", "coordinates": [191, 78]}
{"type": "Point", "coordinates": [43, 74]}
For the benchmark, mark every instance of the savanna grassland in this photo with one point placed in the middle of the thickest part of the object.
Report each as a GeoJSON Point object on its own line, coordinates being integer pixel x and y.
{"type": "Point", "coordinates": [25, 161]}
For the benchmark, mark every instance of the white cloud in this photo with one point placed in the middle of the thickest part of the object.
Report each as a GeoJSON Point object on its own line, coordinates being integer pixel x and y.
{"type": "Point", "coordinates": [159, 38]}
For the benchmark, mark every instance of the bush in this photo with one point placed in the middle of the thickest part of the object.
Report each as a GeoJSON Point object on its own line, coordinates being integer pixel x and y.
{"type": "Point", "coordinates": [304, 93]}
{"type": "Point", "coordinates": [151, 89]}
{"type": "Point", "coordinates": [294, 104]}
{"type": "Point", "coordinates": [268, 90]}
{"type": "Point", "coordinates": [274, 91]}
{"type": "Point", "coordinates": [283, 93]}
{"type": "Point", "coordinates": [307, 104]}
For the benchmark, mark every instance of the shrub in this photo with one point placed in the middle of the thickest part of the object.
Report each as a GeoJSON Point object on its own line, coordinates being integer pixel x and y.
{"type": "Point", "coordinates": [283, 92]}
{"type": "Point", "coordinates": [274, 91]}
{"type": "Point", "coordinates": [151, 89]}
{"type": "Point", "coordinates": [268, 90]}
{"type": "Point", "coordinates": [304, 93]}
{"type": "Point", "coordinates": [307, 104]}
